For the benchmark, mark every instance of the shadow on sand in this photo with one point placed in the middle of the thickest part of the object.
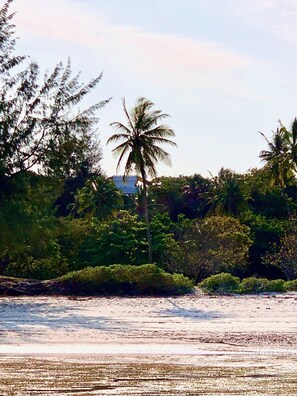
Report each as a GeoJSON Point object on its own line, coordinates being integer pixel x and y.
{"type": "Point", "coordinates": [195, 314]}
{"type": "Point", "coordinates": [28, 318]}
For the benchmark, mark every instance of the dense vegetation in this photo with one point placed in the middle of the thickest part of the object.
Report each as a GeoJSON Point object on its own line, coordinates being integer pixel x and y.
{"type": "Point", "coordinates": [118, 279]}
{"type": "Point", "coordinates": [59, 213]}
{"type": "Point", "coordinates": [225, 283]}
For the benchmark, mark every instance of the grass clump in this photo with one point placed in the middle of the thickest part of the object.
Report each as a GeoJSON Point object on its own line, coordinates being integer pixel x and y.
{"type": "Point", "coordinates": [120, 279]}
{"type": "Point", "coordinates": [220, 283]}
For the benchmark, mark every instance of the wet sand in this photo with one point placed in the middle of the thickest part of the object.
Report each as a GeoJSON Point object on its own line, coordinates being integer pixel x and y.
{"type": "Point", "coordinates": [192, 345]}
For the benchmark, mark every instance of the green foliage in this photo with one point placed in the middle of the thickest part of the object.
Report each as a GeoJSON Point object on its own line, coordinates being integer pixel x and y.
{"type": "Point", "coordinates": [40, 122]}
{"type": "Point", "coordinates": [227, 283]}
{"type": "Point", "coordinates": [91, 243]}
{"type": "Point", "coordinates": [68, 218]}
{"type": "Point", "coordinates": [281, 155]}
{"type": "Point", "coordinates": [65, 203]}
{"type": "Point", "coordinates": [291, 285]}
{"type": "Point", "coordinates": [141, 139]}
{"type": "Point", "coordinates": [7, 42]}
{"type": "Point", "coordinates": [166, 195]}
{"type": "Point", "coordinates": [265, 234]}
{"type": "Point", "coordinates": [209, 246]}
{"type": "Point", "coordinates": [27, 218]}
{"type": "Point", "coordinates": [269, 201]}
{"type": "Point", "coordinates": [220, 283]}
{"type": "Point", "coordinates": [179, 195]}
{"type": "Point", "coordinates": [225, 196]}
{"type": "Point", "coordinates": [141, 142]}
{"type": "Point", "coordinates": [276, 286]}
{"type": "Point", "coordinates": [98, 198]}
{"type": "Point", "coordinates": [162, 229]}
{"type": "Point", "coordinates": [126, 279]}
{"type": "Point", "coordinates": [195, 196]}
{"type": "Point", "coordinates": [26, 266]}
{"type": "Point", "coordinates": [253, 285]}
{"type": "Point", "coordinates": [285, 257]}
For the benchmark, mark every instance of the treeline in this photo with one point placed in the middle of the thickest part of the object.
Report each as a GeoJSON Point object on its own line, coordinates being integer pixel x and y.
{"type": "Point", "coordinates": [60, 213]}
{"type": "Point", "coordinates": [232, 223]}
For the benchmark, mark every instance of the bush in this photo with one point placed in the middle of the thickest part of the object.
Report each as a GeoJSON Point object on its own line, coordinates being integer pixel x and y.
{"type": "Point", "coordinates": [261, 285]}
{"type": "Point", "coordinates": [220, 283]}
{"type": "Point", "coordinates": [117, 279]}
{"type": "Point", "coordinates": [276, 286]}
{"type": "Point", "coordinates": [26, 266]}
{"type": "Point", "coordinates": [227, 283]}
{"type": "Point", "coordinates": [253, 285]}
{"type": "Point", "coordinates": [291, 285]}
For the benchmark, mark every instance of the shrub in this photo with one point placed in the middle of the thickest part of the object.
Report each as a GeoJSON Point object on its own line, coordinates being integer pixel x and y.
{"type": "Point", "coordinates": [277, 286]}
{"type": "Point", "coordinates": [291, 285]}
{"type": "Point", "coordinates": [253, 285]}
{"type": "Point", "coordinates": [226, 283]}
{"type": "Point", "coordinates": [220, 283]}
{"type": "Point", "coordinates": [146, 279]}
{"type": "Point", "coordinates": [26, 266]}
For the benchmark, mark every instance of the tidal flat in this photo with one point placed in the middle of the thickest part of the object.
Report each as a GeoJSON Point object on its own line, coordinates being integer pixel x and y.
{"type": "Point", "coordinates": [149, 375]}
{"type": "Point", "coordinates": [190, 345]}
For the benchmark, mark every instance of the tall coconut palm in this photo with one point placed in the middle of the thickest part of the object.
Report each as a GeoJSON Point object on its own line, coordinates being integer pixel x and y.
{"type": "Point", "coordinates": [140, 140]}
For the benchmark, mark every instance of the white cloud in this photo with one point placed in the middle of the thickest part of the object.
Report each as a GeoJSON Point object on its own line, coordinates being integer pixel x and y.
{"type": "Point", "coordinates": [166, 59]}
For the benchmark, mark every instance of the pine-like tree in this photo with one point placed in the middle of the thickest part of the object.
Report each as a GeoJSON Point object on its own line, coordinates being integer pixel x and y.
{"type": "Point", "coordinates": [41, 127]}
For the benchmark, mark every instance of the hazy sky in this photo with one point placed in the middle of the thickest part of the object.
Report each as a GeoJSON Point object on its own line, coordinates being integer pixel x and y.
{"type": "Point", "coordinates": [223, 69]}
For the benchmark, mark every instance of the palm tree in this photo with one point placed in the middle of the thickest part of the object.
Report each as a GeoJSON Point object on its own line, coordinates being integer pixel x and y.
{"type": "Point", "coordinates": [277, 157]}
{"type": "Point", "coordinates": [225, 196]}
{"type": "Point", "coordinates": [281, 157]}
{"type": "Point", "coordinates": [140, 140]}
{"type": "Point", "coordinates": [98, 198]}
{"type": "Point", "coordinates": [293, 144]}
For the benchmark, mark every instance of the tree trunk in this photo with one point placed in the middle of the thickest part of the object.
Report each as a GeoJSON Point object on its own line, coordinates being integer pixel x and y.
{"type": "Point", "coordinates": [147, 219]}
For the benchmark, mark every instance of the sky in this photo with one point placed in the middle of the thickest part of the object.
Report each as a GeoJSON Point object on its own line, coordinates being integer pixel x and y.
{"type": "Point", "coordinates": [222, 69]}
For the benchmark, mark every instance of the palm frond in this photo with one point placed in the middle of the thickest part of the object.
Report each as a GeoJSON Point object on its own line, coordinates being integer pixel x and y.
{"type": "Point", "coordinates": [122, 151]}
{"type": "Point", "coordinates": [160, 130]}
{"type": "Point", "coordinates": [117, 136]}
{"type": "Point", "coordinates": [122, 127]}
{"type": "Point", "coordinates": [127, 115]}
{"type": "Point", "coordinates": [141, 138]}
{"type": "Point", "coordinates": [159, 140]}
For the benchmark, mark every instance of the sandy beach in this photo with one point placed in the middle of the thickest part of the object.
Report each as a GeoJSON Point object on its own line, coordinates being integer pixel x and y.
{"type": "Point", "coordinates": [191, 345]}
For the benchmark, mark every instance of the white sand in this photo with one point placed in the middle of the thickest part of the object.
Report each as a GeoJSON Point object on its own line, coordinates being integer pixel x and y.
{"type": "Point", "coordinates": [191, 325]}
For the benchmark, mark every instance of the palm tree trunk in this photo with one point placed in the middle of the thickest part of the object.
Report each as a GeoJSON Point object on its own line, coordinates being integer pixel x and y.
{"type": "Point", "coordinates": [147, 219]}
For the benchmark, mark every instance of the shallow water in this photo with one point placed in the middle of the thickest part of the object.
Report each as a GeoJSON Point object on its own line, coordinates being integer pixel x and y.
{"type": "Point", "coordinates": [192, 345]}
